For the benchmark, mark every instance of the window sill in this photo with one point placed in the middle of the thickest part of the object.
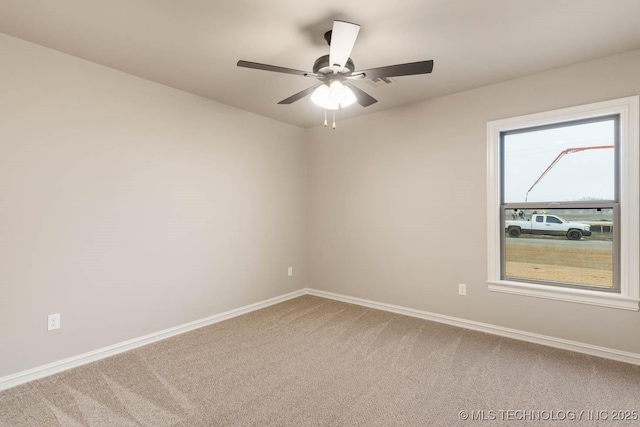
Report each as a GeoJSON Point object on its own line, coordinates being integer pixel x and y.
{"type": "Point", "coordinates": [579, 296]}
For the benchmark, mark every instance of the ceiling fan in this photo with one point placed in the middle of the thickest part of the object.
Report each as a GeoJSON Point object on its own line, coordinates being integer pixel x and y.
{"type": "Point", "coordinates": [336, 71]}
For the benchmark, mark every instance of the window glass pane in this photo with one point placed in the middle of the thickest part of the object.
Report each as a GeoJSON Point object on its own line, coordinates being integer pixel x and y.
{"type": "Point", "coordinates": [573, 246]}
{"type": "Point", "coordinates": [573, 162]}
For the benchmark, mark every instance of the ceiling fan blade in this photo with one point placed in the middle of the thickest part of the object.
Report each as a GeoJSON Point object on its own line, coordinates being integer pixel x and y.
{"type": "Point", "coordinates": [299, 95]}
{"type": "Point", "coordinates": [343, 37]}
{"type": "Point", "coordinates": [421, 67]}
{"type": "Point", "coordinates": [274, 68]}
{"type": "Point", "coordinates": [363, 97]}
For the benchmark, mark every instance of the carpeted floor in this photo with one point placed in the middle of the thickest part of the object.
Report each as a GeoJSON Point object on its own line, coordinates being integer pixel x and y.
{"type": "Point", "coordinates": [317, 362]}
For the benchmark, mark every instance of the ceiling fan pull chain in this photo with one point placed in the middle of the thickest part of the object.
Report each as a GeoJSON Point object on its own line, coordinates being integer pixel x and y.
{"type": "Point", "coordinates": [334, 119]}
{"type": "Point", "coordinates": [325, 118]}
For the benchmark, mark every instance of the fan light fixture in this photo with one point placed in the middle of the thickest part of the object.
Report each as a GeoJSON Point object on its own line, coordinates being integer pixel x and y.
{"type": "Point", "coordinates": [333, 96]}
{"type": "Point", "coordinates": [337, 67]}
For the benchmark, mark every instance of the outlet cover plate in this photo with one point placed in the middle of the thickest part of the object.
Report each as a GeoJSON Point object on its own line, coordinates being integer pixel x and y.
{"type": "Point", "coordinates": [53, 322]}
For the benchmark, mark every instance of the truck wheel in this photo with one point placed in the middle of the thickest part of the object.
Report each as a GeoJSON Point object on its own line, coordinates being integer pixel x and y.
{"type": "Point", "coordinates": [574, 235]}
{"type": "Point", "coordinates": [514, 232]}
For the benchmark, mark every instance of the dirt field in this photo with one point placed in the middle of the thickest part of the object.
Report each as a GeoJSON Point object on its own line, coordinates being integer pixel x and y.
{"type": "Point", "coordinates": [560, 264]}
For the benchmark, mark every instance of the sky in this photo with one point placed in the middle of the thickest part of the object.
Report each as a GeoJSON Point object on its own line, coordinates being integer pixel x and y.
{"type": "Point", "coordinates": [585, 175]}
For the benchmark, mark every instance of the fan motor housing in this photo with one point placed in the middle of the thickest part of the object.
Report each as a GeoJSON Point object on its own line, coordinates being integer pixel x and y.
{"type": "Point", "coordinates": [323, 66]}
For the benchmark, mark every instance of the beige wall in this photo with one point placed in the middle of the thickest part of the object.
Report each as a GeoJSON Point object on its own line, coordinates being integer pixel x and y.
{"type": "Point", "coordinates": [130, 207]}
{"type": "Point", "coordinates": [397, 204]}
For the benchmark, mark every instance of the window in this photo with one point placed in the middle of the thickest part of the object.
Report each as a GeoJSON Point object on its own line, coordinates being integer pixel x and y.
{"type": "Point", "coordinates": [554, 220]}
{"type": "Point", "coordinates": [563, 204]}
{"type": "Point", "coordinates": [571, 166]}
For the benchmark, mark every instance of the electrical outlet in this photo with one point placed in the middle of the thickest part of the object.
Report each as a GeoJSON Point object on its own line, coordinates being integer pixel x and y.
{"type": "Point", "coordinates": [290, 271]}
{"type": "Point", "coordinates": [462, 289]}
{"type": "Point", "coordinates": [53, 322]}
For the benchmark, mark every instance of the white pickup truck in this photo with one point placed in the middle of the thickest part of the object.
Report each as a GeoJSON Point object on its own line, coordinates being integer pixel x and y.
{"type": "Point", "coordinates": [548, 224]}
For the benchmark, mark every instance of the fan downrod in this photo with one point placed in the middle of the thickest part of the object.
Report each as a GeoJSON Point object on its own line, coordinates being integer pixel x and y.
{"type": "Point", "coordinates": [327, 37]}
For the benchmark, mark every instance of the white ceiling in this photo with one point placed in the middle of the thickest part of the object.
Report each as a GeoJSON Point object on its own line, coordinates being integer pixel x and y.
{"type": "Point", "coordinates": [193, 45]}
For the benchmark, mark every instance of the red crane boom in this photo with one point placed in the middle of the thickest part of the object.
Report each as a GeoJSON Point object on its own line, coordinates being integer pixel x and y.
{"type": "Point", "coordinates": [561, 155]}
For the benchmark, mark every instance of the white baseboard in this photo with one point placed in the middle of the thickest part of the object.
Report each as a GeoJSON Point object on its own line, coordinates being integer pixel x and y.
{"type": "Point", "coordinates": [593, 350]}
{"type": "Point", "coordinates": [92, 356]}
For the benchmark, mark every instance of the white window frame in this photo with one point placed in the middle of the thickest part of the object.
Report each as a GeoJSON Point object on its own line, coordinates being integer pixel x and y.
{"type": "Point", "coordinates": [629, 164]}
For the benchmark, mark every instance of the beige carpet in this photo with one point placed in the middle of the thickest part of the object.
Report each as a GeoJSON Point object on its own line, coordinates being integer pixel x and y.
{"type": "Point", "coordinates": [316, 362]}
